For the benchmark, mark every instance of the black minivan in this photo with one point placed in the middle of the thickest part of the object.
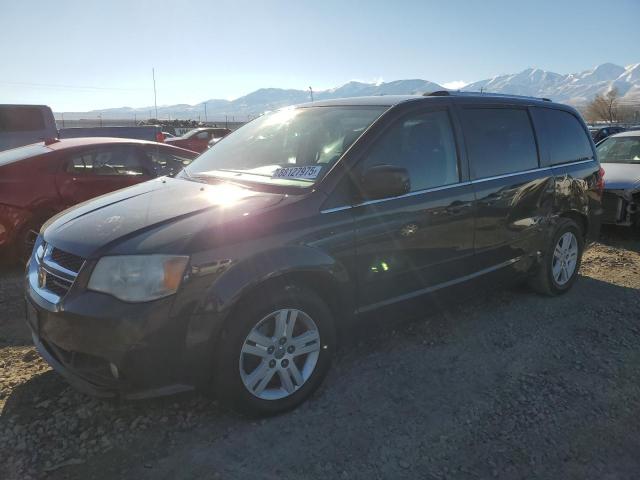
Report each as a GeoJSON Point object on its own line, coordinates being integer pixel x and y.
{"type": "Point", "coordinates": [237, 273]}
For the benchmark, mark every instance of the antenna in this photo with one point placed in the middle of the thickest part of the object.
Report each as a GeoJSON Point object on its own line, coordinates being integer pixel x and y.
{"type": "Point", "coordinates": [311, 93]}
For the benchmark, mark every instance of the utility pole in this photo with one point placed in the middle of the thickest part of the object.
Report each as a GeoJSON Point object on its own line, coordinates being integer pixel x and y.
{"type": "Point", "coordinates": [155, 100]}
{"type": "Point", "coordinates": [62, 114]}
{"type": "Point", "coordinates": [205, 112]}
{"type": "Point", "coordinates": [311, 93]}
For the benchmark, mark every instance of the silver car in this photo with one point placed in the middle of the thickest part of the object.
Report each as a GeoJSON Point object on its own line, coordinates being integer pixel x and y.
{"type": "Point", "coordinates": [620, 157]}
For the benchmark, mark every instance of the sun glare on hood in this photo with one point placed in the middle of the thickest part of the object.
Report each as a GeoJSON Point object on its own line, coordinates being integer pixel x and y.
{"type": "Point", "coordinates": [224, 195]}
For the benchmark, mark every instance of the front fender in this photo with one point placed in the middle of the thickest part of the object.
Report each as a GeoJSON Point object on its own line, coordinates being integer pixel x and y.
{"type": "Point", "coordinates": [238, 279]}
{"type": "Point", "coordinates": [225, 283]}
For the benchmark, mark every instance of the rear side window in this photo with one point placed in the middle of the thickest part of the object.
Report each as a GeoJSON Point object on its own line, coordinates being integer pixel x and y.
{"type": "Point", "coordinates": [566, 139]}
{"type": "Point", "coordinates": [499, 141]}
{"type": "Point", "coordinates": [107, 162]}
{"type": "Point", "coordinates": [21, 119]}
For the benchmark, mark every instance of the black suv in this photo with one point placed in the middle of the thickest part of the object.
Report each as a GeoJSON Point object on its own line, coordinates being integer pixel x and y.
{"type": "Point", "coordinates": [237, 273]}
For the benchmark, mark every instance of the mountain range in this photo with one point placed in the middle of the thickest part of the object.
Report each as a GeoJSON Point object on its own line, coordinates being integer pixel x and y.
{"type": "Point", "coordinates": [574, 88]}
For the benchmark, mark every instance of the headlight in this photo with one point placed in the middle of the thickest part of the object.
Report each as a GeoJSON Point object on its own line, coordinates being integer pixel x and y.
{"type": "Point", "coordinates": [138, 278]}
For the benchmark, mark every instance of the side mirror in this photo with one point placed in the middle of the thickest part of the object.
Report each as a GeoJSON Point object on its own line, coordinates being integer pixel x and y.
{"type": "Point", "coordinates": [384, 181]}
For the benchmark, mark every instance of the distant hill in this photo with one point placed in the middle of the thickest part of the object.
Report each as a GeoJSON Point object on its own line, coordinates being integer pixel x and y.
{"type": "Point", "coordinates": [574, 88]}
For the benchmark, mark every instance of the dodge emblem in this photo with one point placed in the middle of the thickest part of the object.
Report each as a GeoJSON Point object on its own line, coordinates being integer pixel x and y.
{"type": "Point", "coordinates": [42, 277]}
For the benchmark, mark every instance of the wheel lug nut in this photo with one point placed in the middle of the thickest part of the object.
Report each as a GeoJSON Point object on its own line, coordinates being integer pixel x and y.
{"type": "Point", "coordinates": [272, 363]}
{"type": "Point", "coordinates": [283, 340]}
{"type": "Point", "coordinates": [291, 349]}
{"type": "Point", "coordinates": [285, 363]}
{"type": "Point", "coordinates": [271, 349]}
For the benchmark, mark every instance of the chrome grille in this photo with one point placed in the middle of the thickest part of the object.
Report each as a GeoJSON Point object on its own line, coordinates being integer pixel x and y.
{"type": "Point", "coordinates": [57, 285]}
{"type": "Point", "coordinates": [67, 260]}
{"type": "Point", "coordinates": [55, 272]}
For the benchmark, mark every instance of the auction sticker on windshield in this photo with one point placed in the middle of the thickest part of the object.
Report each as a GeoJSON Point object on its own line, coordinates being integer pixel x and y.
{"type": "Point", "coordinates": [297, 172]}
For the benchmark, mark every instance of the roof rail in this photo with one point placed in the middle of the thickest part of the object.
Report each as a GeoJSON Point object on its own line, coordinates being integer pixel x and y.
{"type": "Point", "coordinates": [457, 93]}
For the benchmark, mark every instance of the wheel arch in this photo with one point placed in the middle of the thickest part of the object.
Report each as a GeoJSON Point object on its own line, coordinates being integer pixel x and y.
{"type": "Point", "coordinates": [580, 218]}
{"type": "Point", "coordinates": [303, 266]}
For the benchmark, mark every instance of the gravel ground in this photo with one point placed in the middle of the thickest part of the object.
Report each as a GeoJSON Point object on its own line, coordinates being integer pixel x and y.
{"type": "Point", "coordinates": [508, 385]}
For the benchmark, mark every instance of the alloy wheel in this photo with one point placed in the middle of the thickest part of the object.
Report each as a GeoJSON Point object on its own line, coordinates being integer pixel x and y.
{"type": "Point", "coordinates": [565, 258]}
{"type": "Point", "coordinates": [279, 354]}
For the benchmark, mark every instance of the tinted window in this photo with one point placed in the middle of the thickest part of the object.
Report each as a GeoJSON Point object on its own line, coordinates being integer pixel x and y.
{"type": "Point", "coordinates": [107, 161]}
{"type": "Point", "coordinates": [21, 119]}
{"type": "Point", "coordinates": [424, 145]}
{"type": "Point", "coordinates": [499, 141]}
{"type": "Point", "coordinates": [566, 138]}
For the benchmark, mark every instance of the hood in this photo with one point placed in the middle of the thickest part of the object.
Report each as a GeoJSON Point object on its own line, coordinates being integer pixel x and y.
{"type": "Point", "coordinates": [621, 176]}
{"type": "Point", "coordinates": [116, 217]}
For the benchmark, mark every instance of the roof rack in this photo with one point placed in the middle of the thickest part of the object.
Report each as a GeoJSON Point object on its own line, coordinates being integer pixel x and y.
{"type": "Point", "coordinates": [452, 93]}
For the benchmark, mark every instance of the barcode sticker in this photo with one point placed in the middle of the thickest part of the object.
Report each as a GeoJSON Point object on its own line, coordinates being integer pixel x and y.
{"type": "Point", "coordinates": [297, 172]}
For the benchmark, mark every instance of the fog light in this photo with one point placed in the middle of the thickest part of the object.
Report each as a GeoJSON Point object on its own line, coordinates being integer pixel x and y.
{"type": "Point", "coordinates": [114, 371]}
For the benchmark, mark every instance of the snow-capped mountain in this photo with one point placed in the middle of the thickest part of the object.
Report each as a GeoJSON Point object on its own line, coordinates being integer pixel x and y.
{"type": "Point", "coordinates": [574, 88]}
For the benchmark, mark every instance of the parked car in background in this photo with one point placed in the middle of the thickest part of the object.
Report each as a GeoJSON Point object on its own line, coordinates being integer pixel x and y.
{"type": "Point", "coordinates": [600, 133]}
{"type": "Point", "coordinates": [24, 124]}
{"type": "Point", "coordinates": [239, 272]}
{"type": "Point", "coordinates": [198, 139]}
{"type": "Point", "coordinates": [39, 180]}
{"type": "Point", "coordinates": [152, 133]}
{"type": "Point", "coordinates": [620, 156]}
{"type": "Point", "coordinates": [168, 135]}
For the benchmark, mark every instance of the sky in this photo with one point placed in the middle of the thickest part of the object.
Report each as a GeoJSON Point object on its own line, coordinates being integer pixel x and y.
{"type": "Point", "coordinates": [85, 55]}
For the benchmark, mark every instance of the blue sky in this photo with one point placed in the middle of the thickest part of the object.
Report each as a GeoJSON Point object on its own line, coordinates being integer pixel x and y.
{"type": "Point", "coordinates": [82, 55]}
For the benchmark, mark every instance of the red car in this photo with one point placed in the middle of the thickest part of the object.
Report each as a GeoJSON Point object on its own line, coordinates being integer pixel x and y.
{"type": "Point", "coordinates": [198, 139]}
{"type": "Point", "coordinates": [42, 179]}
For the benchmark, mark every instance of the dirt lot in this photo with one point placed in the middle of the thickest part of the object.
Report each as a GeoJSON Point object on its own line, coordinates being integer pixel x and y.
{"type": "Point", "coordinates": [508, 385]}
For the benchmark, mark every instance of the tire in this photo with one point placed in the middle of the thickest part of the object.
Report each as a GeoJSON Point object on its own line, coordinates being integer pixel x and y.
{"type": "Point", "coordinates": [546, 280]}
{"type": "Point", "coordinates": [242, 364]}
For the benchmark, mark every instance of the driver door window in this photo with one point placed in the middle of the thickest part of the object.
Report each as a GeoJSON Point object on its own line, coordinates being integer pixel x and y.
{"type": "Point", "coordinates": [424, 145]}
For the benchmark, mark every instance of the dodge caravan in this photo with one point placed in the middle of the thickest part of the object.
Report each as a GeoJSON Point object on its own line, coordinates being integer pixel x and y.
{"type": "Point", "coordinates": [238, 273]}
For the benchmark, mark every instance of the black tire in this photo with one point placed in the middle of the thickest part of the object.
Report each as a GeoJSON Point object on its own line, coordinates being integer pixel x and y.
{"type": "Point", "coordinates": [543, 281]}
{"type": "Point", "coordinates": [228, 384]}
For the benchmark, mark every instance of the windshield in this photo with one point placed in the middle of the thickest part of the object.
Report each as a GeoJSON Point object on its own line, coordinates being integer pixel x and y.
{"type": "Point", "coordinates": [619, 150]}
{"type": "Point", "coordinates": [291, 147]}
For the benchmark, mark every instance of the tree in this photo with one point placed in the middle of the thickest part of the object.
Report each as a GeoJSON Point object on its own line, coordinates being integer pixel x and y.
{"type": "Point", "coordinates": [605, 107]}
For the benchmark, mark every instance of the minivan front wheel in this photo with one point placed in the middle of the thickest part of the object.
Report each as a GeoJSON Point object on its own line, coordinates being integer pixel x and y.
{"type": "Point", "coordinates": [561, 260]}
{"type": "Point", "coordinates": [275, 352]}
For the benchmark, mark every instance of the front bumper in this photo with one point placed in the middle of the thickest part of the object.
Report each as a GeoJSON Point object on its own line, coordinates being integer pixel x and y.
{"type": "Point", "coordinates": [620, 207]}
{"type": "Point", "coordinates": [105, 347]}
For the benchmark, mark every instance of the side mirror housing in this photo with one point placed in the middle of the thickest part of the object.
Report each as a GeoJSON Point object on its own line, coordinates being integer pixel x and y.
{"type": "Point", "coordinates": [384, 181]}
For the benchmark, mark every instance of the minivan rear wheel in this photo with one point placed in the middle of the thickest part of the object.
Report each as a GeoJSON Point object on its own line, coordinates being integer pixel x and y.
{"type": "Point", "coordinates": [274, 352]}
{"type": "Point", "coordinates": [561, 260]}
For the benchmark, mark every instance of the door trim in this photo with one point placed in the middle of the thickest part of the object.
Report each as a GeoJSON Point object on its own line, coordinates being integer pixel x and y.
{"type": "Point", "coordinates": [406, 195]}
{"type": "Point", "coordinates": [423, 291]}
